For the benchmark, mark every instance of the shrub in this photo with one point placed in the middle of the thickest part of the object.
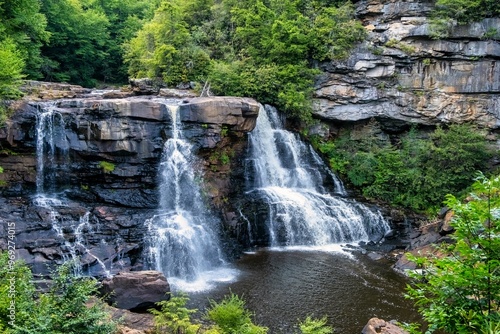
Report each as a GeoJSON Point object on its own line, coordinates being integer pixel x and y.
{"type": "Point", "coordinates": [459, 292]}
{"type": "Point", "coordinates": [231, 316]}
{"type": "Point", "coordinates": [107, 167]}
{"type": "Point", "coordinates": [68, 307]}
{"type": "Point", "coordinates": [175, 316]}
{"type": "Point", "coordinates": [417, 172]}
{"type": "Point", "coordinates": [315, 326]}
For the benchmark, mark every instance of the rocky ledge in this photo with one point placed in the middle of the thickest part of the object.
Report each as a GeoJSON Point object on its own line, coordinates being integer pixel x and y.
{"type": "Point", "coordinates": [402, 75]}
{"type": "Point", "coordinates": [102, 181]}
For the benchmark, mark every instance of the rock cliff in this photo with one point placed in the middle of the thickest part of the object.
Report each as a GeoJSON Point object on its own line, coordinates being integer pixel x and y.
{"type": "Point", "coordinates": [401, 75]}
{"type": "Point", "coordinates": [104, 171]}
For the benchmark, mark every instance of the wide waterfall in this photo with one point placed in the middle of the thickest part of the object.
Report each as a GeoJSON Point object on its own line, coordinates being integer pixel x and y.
{"type": "Point", "coordinates": [184, 244]}
{"type": "Point", "coordinates": [301, 210]}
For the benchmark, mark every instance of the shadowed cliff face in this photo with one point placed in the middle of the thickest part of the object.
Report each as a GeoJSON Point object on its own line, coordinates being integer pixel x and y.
{"type": "Point", "coordinates": [400, 74]}
{"type": "Point", "coordinates": [107, 172]}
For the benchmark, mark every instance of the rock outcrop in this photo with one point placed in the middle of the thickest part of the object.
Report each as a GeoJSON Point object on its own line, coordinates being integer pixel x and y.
{"type": "Point", "coordinates": [401, 75]}
{"type": "Point", "coordinates": [102, 182]}
{"type": "Point", "coordinates": [137, 290]}
{"type": "Point", "coordinates": [377, 326]}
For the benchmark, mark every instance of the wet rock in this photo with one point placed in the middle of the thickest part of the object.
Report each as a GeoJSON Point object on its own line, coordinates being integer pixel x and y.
{"type": "Point", "coordinates": [377, 326]}
{"type": "Point", "coordinates": [446, 227]}
{"type": "Point", "coordinates": [375, 256]}
{"type": "Point", "coordinates": [137, 291]}
{"type": "Point", "coordinates": [403, 264]}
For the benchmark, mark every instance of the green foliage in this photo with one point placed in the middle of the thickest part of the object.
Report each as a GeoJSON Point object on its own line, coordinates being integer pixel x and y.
{"type": "Point", "coordinates": [261, 49]}
{"type": "Point", "coordinates": [315, 326]}
{"type": "Point", "coordinates": [174, 316]}
{"type": "Point", "coordinates": [11, 68]}
{"type": "Point", "coordinates": [418, 172]}
{"type": "Point", "coordinates": [86, 37]}
{"type": "Point", "coordinates": [22, 23]}
{"type": "Point", "coordinates": [78, 39]}
{"type": "Point", "coordinates": [403, 46]}
{"type": "Point", "coordinates": [459, 292]}
{"type": "Point", "coordinates": [107, 167]}
{"type": "Point", "coordinates": [231, 316]}
{"type": "Point", "coordinates": [224, 158]}
{"type": "Point", "coordinates": [66, 308]}
{"type": "Point", "coordinates": [448, 13]}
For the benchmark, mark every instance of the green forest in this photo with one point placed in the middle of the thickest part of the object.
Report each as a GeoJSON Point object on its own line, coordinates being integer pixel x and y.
{"type": "Point", "coordinates": [260, 49]}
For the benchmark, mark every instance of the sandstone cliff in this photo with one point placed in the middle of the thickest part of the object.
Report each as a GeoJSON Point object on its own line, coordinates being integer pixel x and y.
{"type": "Point", "coordinates": [400, 74]}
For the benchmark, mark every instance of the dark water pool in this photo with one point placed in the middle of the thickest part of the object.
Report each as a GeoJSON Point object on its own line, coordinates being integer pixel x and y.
{"type": "Point", "coordinates": [282, 286]}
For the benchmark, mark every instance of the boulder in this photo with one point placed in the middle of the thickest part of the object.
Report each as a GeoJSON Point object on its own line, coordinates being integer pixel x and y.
{"type": "Point", "coordinates": [378, 326]}
{"type": "Point", "coordinates": [137, 291]}
{"type": "Point", "coordinates": [144, 86]}
{"type": "Point", "coordinates": [446, 227]}
{"type": "Point", "coordinates": [237, 112]}
{"type": "Point", "coordinates": [404, 264]}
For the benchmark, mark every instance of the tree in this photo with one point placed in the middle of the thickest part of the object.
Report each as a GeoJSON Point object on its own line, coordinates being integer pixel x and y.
{"type": "Point", "coordinates": [22, 23]}
{"type": "Point", "coordinates": [459, 292]}
{"type": "Point", "coordinates": [125, 18]}
{"type": "Point", "coordinates": [231, 43]}
{"type": "Point", "coordinates": [11, 68]}
{"type": "Point", "coordinates": [164, 49]}
{"type": "Point", "coordinates": [79, 35]}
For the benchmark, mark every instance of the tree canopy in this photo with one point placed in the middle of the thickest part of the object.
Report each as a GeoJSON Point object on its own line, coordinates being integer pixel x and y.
{"type": "Point", "coordinates": [262, 49]}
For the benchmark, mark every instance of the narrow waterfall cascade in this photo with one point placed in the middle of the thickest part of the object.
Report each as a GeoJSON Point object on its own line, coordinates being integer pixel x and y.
{"type": "Point", "coordinates": [51, 148]}
{"type": "Point", "coordinates": [184, 244]}
{"type": "Point", "coordinates": [301, 210]}
{"type": "Point", "coordinates": [51, 161]}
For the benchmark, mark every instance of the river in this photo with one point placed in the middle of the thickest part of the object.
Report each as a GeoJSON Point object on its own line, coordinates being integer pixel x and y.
{"type": "Point", "coordinates": [283, 286]}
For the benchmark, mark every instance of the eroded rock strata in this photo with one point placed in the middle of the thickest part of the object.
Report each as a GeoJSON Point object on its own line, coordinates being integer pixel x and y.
{"type": "Point", "coordinates": [105, 170]}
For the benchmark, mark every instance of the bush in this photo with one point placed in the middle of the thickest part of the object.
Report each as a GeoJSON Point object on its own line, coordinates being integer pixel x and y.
{"type": "Point", "coordinates": [68, 307]}
{"type": "Point", "coordinates": [174, 316]}
{"type": "Point", "coordinates": [315, 326]}
{"type": "Point", "coordinates": [107, 167]}
{"type": "Point", "coordinates": [231, 316]}
{"type": "Point", "coordinates": [417, 172]}
{"type": "Point", "coordinates": [448, 13]}
{"type": "Point", "coordinates": [459, 292]}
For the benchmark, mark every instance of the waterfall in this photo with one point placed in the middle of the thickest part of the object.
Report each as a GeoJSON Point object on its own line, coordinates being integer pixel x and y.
{"type": "Point", "coordinates": [301, 211]}
{"type": "Point", "coordinates": [183, 241]}
{"type": "Point", "coordinates": [51, 162]}
{"type": "Point", "coordinates": [51, 148]}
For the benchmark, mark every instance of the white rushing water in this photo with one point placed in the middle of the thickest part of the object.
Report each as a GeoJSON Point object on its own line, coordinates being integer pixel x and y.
{"type": "Point", "coordinates": [286, 175]}
{"type": "Point", "coordinates": [183, 241]}
{"type": "Point", "coordinates": [51, 157]}
{"type": "Point", "coordinates": [51, 147]}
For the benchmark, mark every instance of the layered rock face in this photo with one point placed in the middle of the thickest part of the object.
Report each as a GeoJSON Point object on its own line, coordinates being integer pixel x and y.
{"type": "Point", "coordinates": [105, 166]}
{"type": "Point", "coordinates": [401, 75]}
